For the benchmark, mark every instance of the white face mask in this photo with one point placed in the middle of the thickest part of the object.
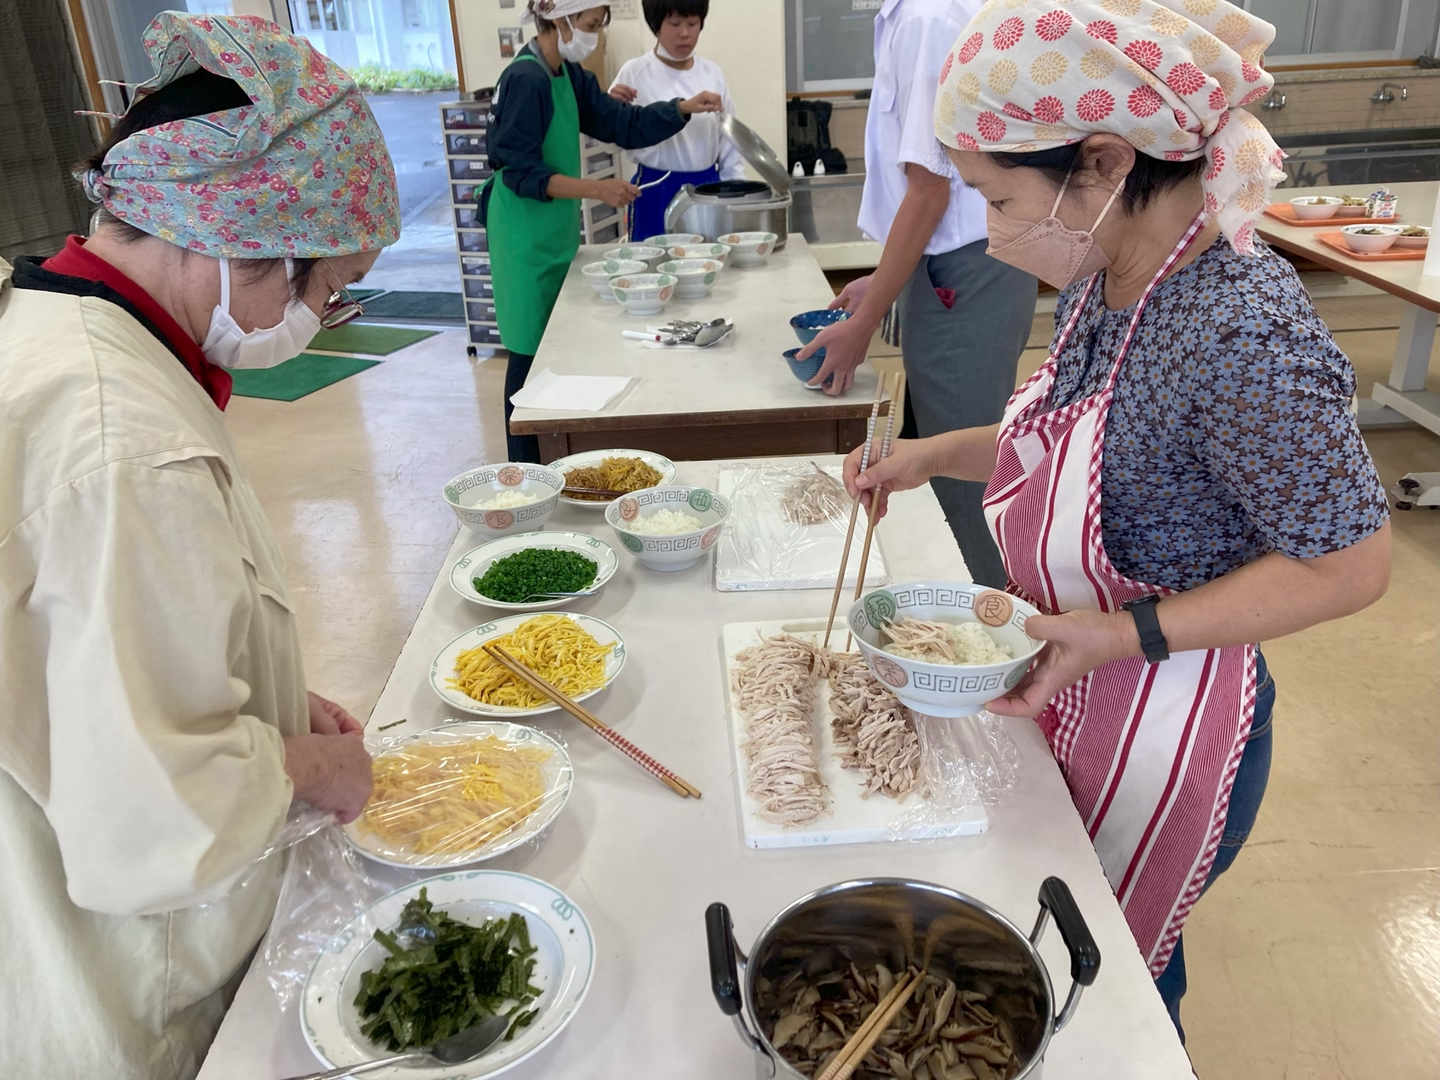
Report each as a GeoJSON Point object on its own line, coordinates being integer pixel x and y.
{"type": "Point", "coordinates": [230, 347]}
{"type": "Point", "coordinates": [581, 44]}
{"type": "Point", "coordinates": [664, 54]}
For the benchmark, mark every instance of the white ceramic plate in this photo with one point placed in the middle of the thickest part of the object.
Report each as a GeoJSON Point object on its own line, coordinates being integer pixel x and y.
{"type": "Point", "coordinates": [559, 778]}
{"type": "Point", "coordinates": [594, 457]}
{"type": "Point", "coordinates": [564, 969]}
{"type": "Point", "coordinates": [444, 665]}
{"type": "Point", "coordinates": [476, 561]}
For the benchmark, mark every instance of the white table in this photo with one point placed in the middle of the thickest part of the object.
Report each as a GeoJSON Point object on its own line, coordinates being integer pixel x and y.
{"type": "Point", "coordinates": [643, 864]}
{"type": "Point", "coordinates": [735, 398]}
{"type": "Point", "coordinates": [1403, 399]}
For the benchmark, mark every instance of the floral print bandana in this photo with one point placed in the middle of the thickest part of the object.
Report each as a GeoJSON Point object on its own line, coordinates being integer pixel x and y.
{"type": "Point", "coordinates": [1167, 75]}
{"type": "Point", "coordinates": [303, 172]}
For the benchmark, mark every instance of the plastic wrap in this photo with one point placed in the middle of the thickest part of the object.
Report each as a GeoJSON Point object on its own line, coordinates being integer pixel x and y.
{"type": "Point", "coordinates": [964, 760]}
{"type": "Point", "coordinates": [461, 793]}
{"type": "Point", "coordinates": [774, 542]}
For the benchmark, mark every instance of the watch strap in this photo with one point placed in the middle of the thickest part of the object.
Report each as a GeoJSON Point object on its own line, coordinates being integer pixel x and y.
{"type": "Point", "coordinates": [1147, 622]}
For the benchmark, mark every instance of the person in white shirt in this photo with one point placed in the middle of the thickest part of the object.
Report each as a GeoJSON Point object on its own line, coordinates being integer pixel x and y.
{"type": "Point", "coordinates": [698, 155]}
{"type": "Point", "coordinates": [964, 316]}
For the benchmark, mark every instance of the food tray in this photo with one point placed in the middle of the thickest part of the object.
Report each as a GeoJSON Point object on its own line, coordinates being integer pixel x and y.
{"type": "Point", "coordinates": [1286, 213]}
{"type": "Point", "coordinates": [1337, 241]}
{"type": "Point", "coordinates": [852, 820]}
{"type": "Point", "coordinates": [795, 556]}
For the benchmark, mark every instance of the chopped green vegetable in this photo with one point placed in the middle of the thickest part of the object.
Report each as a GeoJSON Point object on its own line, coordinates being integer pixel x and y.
{"type": "Point", "coordinates": [516, 578]}
{"type": "Point", "coordinates": [393, 723]}
{"type": "Point", "coordinates": [443, 976]}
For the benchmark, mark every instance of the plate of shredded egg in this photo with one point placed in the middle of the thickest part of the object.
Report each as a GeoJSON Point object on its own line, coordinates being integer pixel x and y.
{"type": "Point", "coordinates": [578, 654]}
{"type": "Point", "coordinates": [461, 793]}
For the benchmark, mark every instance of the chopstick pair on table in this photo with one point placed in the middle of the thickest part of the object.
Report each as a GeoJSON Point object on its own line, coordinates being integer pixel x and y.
{"type": "Point", "coordinates": [867, 458]}
{"type": "Point", "coordinates": [682, 788]}
{"type": "Point", "coordinates": [868, 1034]}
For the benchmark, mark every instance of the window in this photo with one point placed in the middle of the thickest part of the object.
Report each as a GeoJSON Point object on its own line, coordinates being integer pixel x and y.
{"type": "Point", "coordinates": [320, 14]}
{"type": "Point", "coordinates": [1311, 31]}
{"type": "Point", "coordinates": [418, 14]}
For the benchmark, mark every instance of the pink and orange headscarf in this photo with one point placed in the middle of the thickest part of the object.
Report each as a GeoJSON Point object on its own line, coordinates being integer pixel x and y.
{"type": "Point", "coordinates": [1170, 76]}
{"type": "Point", "coordinates": [301, 172]}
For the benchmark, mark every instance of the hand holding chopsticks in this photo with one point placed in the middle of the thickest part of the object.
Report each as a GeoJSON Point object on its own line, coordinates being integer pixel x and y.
{"type": "Point", "coordinates": [575, 709]}
{"type": "Point", "coordinates": [866, 459]}
{"type": "Point", "coordinates": [875, 1025]}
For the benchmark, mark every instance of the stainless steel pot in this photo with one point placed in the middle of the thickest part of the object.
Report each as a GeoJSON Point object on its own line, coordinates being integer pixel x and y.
{"type": "Point", "coordinates": [729, 206]}
{"type": "Point", "coordinates": [899, 922]}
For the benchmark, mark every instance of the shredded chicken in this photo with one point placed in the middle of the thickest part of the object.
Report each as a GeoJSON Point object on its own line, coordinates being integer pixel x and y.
{"type": "Point", "coordinates": [774, 685]}
{"type": "Point", "coordinates": [814, 498]}
{"type": "Point", "coordinates": [942, 642]}
{"type": "Point", "coordinates": [873, 731]}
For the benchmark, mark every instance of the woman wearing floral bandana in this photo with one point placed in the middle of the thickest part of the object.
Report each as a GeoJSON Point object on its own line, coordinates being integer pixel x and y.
{"type": "Point", "coordinates": [157, 726]}
{"type": "Point", "coordinates": [1183, 477]}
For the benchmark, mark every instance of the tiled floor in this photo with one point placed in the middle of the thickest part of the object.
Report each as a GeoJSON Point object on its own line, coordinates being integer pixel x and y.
{"type": "Point", "coordinates": [1316, 956]}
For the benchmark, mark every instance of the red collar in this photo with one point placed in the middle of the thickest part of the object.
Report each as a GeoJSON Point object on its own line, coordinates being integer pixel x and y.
{"type": "Point", "coordinates": [74, 261]}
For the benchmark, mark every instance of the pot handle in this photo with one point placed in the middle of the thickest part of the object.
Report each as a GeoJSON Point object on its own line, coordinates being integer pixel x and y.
{"type": "Point", "coordinates": [725, 961]}
{"type": "Point", "coordinates": [682, 201]}
{"type": "Point", "coordinates": [1055, 899]}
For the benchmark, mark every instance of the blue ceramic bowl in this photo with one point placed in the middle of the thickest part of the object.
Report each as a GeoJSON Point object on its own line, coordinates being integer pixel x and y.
{"type": "Point", "coordinates": [807, 369]}
{"type": "Point", "coordinates": [809, 323]}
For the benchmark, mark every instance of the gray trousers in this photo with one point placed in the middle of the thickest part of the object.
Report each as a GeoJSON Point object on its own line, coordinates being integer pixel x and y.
{"type": "Point", "coordinates": [960, 371]}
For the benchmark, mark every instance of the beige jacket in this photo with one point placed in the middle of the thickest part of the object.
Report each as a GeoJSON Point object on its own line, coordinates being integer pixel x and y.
{"type": "Point", "coordinates": [149, 667]}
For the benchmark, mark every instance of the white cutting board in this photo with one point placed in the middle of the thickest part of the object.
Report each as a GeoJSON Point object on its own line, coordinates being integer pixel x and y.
{"type": "Point", "coordinates": [851, 820]}
{"type": "Point", "coordinates": [761, 527]}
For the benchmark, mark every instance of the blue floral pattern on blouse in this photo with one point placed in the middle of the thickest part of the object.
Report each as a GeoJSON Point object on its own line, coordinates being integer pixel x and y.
{"type": "Point", "coordinates": [1230, 432]}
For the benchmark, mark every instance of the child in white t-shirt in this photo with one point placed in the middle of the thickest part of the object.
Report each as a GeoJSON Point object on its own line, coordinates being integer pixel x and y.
{"type": "Point", "coordinates": [700, 154]}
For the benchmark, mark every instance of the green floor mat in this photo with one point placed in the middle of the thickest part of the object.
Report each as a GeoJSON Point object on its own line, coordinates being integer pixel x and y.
{"type": "Point", "coordinates": [416, 305]}
{"type": "Point", "coordinates": [294, 379]}
{"type": "Point", "coordinates": [370, 340]}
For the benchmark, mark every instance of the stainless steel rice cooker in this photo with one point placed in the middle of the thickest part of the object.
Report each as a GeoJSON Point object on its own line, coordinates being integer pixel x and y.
{"type": "Point", "coordinates": [736, 205]}
{"type": "Point", "coordinates": [899, 923]}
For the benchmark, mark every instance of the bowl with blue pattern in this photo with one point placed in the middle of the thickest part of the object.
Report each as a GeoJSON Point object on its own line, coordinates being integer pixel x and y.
{"type": "Point", "coordinates": [598, 274]}
{"type": "Point", "coordinates": [944, 689]}
{"type": "Point", "coordinates": [499, 500]}
{"type": "Point", "coordinates": [678, 547]}
{"type": "Point", "coordinates": [809, 323]}
{"type": "Point", "coordinates": [807, 369]}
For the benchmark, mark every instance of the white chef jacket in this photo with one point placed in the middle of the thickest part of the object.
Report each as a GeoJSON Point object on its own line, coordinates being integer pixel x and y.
{"type": "Point", "coordinates": [149, 668]}
{"type": "Point", "coordinates": [699, 144]}
{"type": "Point", "coordinates": [912, 39]}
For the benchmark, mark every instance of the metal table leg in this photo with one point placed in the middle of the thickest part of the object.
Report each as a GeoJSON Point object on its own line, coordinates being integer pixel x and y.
{"type": "Point", "coordinates": [1404, 399]}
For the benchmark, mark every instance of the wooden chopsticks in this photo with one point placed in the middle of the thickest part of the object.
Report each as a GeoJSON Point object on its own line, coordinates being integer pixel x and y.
{"type": "Point", "coordinates": [875, 1025]}
{"type": "Point", "coordinates": [865, 462]}
{"type": "Point", "coordinates": [625, 746]}
{"type": "Point", "coordinates": [606, 492]}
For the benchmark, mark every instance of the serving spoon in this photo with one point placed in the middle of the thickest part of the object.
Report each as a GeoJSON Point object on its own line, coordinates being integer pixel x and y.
{"type": "Point", "coordinates": [458, 1049]}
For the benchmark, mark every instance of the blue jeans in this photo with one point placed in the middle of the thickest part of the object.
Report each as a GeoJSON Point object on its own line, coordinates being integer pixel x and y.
{"type": "Point", "coordinates": [1249, 788]}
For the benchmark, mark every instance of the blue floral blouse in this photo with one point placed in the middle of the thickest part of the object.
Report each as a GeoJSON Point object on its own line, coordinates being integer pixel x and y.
{"type": "Point", "coordinates": [1230, 434]}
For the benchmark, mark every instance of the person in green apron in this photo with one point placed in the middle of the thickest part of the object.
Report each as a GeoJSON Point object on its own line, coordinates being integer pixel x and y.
{"type": "Point", "coordinates": [531, 207]}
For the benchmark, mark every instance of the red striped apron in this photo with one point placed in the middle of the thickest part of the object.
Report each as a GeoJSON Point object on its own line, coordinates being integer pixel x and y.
{"type": "Point", "coordinates": [1149, 751]}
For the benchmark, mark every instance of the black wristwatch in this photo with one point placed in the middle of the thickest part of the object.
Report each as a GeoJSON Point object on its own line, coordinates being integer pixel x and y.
{"type": "Point", "coordinates": [1147, 621]}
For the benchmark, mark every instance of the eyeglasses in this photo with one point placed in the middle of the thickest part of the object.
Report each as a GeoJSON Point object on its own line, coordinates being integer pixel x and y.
{"type": "Point", "coordinates": [340, 309]}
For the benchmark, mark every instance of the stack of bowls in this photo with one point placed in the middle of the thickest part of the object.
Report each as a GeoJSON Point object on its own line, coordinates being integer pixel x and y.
{"type": "Point", "coordinates": [470, 494]}
{"type": "Point", "coordinates": [670, 551]}
{"type": "Point", "coordinates": [598, 274]}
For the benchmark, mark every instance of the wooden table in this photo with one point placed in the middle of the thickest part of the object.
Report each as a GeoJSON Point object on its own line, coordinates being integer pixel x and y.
{"type": "Point", "coordinates": [735, 399]}
{"type": "Point", "coordinates": [1403, 399]}
{"type": "Point", "coordinates": [643, 864]}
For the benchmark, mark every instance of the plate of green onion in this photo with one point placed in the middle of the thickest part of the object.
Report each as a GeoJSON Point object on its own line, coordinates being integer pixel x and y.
{"type": "Point", "coordinates": [534, 571]}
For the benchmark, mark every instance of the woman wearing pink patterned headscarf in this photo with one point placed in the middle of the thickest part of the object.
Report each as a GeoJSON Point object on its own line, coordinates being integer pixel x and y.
{"type": "Point", "coordinates": [1183, 477]}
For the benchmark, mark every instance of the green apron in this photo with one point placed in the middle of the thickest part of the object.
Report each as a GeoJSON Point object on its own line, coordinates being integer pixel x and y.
{"type": "Point", "coordinates": [532, 243]}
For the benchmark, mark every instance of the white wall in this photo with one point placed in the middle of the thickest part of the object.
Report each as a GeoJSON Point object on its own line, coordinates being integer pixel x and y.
{"type": "Point", "coordinates": [745, 37]}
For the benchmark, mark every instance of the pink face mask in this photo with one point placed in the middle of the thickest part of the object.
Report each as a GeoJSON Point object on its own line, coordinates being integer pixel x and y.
{"type": "Point", "coordinates": [1049, 249]}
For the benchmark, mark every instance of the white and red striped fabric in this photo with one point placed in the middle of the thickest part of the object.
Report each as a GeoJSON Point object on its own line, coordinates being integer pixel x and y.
{"type": "Point", "coordinates": [1149, 751]}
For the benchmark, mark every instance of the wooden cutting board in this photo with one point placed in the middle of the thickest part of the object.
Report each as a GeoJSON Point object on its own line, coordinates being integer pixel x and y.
{"type": "Point", "coordinates": [851, 820]}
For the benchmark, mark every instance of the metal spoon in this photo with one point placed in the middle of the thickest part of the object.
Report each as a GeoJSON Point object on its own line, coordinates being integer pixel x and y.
{"type": "Point", "coordinates": [456, 1050]}
{"type": "Point", "coordinates": [709, 335]}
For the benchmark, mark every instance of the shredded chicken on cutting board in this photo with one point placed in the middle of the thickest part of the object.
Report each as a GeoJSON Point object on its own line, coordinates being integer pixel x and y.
{"type": "Point", "coordinates": [813, 498]}
{"type": "Point", "coordinates": [774, 687]}
{"type": "Point", "coordinates": [873, 731]}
